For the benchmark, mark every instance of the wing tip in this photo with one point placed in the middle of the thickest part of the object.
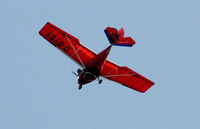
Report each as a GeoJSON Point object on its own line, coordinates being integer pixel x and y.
{"type": "Point", "coordinates": [146, 87]}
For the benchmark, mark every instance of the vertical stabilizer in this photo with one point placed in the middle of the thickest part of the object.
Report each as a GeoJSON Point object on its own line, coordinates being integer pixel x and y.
{"type": "Point", "coordinates": [117, 38]}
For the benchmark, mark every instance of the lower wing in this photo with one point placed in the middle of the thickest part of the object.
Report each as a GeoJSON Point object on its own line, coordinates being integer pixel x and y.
{"type": "Point", "coordinates": [126, 77]}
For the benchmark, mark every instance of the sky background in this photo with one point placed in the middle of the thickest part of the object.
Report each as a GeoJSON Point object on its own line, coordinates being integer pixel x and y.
{"type": "Point", "coordinates": [38, 90]}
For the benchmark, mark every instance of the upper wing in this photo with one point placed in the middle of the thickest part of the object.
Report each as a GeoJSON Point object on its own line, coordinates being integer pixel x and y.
{"type": "Point", "coordinates": [67, 43]}
{"type": "Point", "coordinates": [126, 77]}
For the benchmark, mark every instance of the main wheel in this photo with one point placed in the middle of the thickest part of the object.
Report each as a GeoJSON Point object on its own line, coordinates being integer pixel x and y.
{"type": "Point", "coordinates": [80, 86]}
{"type": "Point", "coordinates": [100, 81]}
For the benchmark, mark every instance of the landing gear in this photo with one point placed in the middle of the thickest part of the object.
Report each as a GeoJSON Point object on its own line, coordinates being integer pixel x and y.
{"type": "Point", "coordinates": [80, 86]}
{"type": "Point", "coordinates": [100, 81]}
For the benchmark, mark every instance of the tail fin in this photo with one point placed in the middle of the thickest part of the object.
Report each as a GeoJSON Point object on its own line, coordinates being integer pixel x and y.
{"type": "Point", "coordinates": [117, 38]}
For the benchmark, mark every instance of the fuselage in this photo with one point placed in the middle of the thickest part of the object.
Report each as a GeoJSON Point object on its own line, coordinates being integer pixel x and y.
{"type": "Point", "coordinates": [87, 75]}
{"type": "Point", "coordinates": [93, 68]}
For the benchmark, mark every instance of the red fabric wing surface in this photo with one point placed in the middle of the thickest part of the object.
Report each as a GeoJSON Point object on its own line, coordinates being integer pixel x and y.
{"type": "Point", "coordinates": [57, 37]}
{"type": "Point", "coordinates": [126, 77]}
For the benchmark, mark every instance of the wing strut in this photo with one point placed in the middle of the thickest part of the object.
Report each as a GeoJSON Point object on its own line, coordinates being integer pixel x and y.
{"type": "Point", "coordinates": [75, 51]}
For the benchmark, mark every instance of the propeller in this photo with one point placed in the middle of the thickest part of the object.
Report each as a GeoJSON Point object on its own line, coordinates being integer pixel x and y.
{"type": "Point", "coordinates": [78, 71]}
{"type": "Point", "coordinates": [75, 73]}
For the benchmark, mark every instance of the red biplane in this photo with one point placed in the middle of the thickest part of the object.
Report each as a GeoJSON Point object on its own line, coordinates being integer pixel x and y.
{"type": "Point", "coordinates": [94, 66]}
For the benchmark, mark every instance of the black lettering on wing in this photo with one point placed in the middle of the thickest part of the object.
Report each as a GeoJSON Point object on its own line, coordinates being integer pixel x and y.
{"type": "Point", "coordinates": [52, 37]}
{"type": "Point", "coordinates": [67, 48]}
{"type": "Point", "coordinates": [47, 35]}
{"type": "Point", "coordinates": [61, 43]}
{"type": "Point", "coordinates": [55, 41]}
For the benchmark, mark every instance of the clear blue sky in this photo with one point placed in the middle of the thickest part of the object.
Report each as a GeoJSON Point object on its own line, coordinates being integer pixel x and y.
{"type": "Point", "coordinates": [38, 90]}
